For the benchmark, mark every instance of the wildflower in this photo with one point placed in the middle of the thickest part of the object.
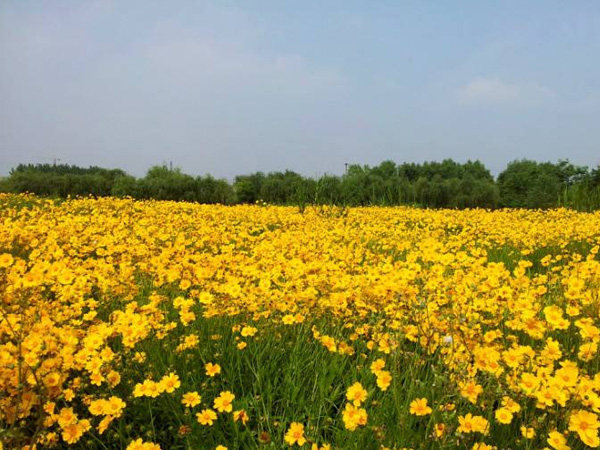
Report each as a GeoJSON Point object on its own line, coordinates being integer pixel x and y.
{"type": "Point", "coordinates": [248, 331]}
{"type": "Point", "coordinates": [329, 343]}
{"type": "Point", "coordinates": [586, 425]}
{"type": "Point", "coordinates": [439, 429]}
{"type": "Point", "coordinates": [206, 417]}
{"type": "Point", "coordinates": [354, 417]}
{"type": "Point", "coordinates": [557, 441]}
{"type": "Point", "coordinates": [356, 394]}
{"type": "Point", "coordinates": [115, 406]}
{"type": "Point", "coordinates": [482, 446]}
{"type": "Point", "coordinates": [191, 399]}
{"type": "Point", "coordinates": [170, 382]}
{"type": "Point", "coordinates": [104, 423]}
{"type": "Point", "coordinates": [6, 260]}
{"type": "Point", "coordinates": [66, 417]}
{"type": "Point", "coordinates": [49, 408]}
{"type": "Point", "coordinates": [527, 433]}
{"type": "Point", "coordinates": [288, 319]}
{"type": "Point", "coordinates": [72, 433]}
{"type": "Point", "coordinates": [504, 416]}
{"type": "Point", "coordinates": [587, 351]}
{"type": "Point", "coordinates": [139, 444]}
{"type": "Point", "coordinates": [472, 424]}
{"type": "Point", "coordinates": [148, 388]}
{"type": "Point", "coordinates": [241, 415]}
{"type": "Point", "coordinates": [212, 369]}
{"type": "Point", "coordinates": [295, 434]}
{"type": "Point", "coordinates": [419, 407]}
{"type": "Point", "coordinates": [97, 407]}
{"type": "Point", "coordinates": [113, 378]}
{"type": "Point", "coordinates": [510, 405]}
{"type": "Point", "coordinates": [223, 403]}
{"type": "Point", "coordinates": [52, 380]}
{"type": "Point", "coordinates": [384, 379]}
{"type": "Point", "coordinates": [470, 391]}
{"type": "Point", "coordinates": [377, 365]}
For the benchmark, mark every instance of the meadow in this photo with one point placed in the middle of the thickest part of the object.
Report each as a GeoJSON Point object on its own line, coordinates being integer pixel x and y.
{"type": "Point", "coordinates": [161, 325]}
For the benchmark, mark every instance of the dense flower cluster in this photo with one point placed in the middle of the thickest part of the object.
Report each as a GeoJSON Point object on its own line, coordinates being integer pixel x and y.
{"type": "Point", "coordinates": [506, 302]}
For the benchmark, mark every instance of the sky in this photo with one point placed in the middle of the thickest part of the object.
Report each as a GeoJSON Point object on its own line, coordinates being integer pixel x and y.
{"type": "Point", "coordinates": [229, 88]}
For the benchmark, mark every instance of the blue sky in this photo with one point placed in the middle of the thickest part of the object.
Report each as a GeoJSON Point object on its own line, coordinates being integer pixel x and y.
{"type": "Point", "coordinates": [233, 87]}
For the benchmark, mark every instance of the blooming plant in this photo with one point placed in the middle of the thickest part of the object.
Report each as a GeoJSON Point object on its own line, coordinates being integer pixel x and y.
{"type": "Point", "coordinates": [148, 325]}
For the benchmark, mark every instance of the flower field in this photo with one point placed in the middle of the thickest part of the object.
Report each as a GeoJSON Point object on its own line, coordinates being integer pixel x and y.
{"type": "Point", "coordinates": [144, 325]}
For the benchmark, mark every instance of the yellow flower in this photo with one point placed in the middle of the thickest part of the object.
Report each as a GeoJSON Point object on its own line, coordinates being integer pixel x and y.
{"type": "Point", "coordinates": [354, 417]}
{"type": "Point", "coordinates": [72, 433]}
{"type": "Point", "coordinates": [295, 434]}
{"type": "Point", "coordinates": [510, 405]}
{"type": "Point", "coordinates": [148, 388]}
{"type": "Point", "coordinates": [470, 391]}
{"type": "Point", "coordinates": [329, 343]}
{"type": "Point", "coordinates": [586, 425]}
{"type": "Point", "coordinates": [206, 417]}
{"type": "Point", "coordinates": [587, 351]}
{"type": "Point", "coordinates": [384, 379]}
{"type": "Point", "coordinates": [212, 369]}
{"type": "Point", "coordinates": [139, 444]}
{"type": "Point", "coordinates": [113, 378]}
{"type": "Point", "coordinates": [557, 441]}
{"type": "Point", "coordinates": [472, 424]}
{"type": "Point", "coordinates": [439, 429]}
{"type": "Point", "coordinates": [527, 433]}
{"type": "Point", "coordinates": [191, 399]}
{"type": "Point", "coordinates": [419, 407]}
{"type": "Point", "coordinates": [170, 382]}
{"type": "Point", "coordinates": [356, 394]}
{"type": "Point", "coordinates": [52, 379]}
{"type": "Point", "coordinates": [482, 446]}
{"type": "Point", "coordinates": [223, 403]}
{"type": "Point", "coordinates": [241, 415]}
{"type": "Point", "coordinates": [6, 260]}
{"type": "Point", "coordinates": [504, 416]}
{"type": "Point", "coordinates": [248, 331]}
{"type": "Point", "coordinates": [288, 319]}
{"type": "Point", "coordinates": [104, 423]}
{"type": "Point", "coordinates": [66, 417]}
{"type": "Point", "coordinates": [377, 365]}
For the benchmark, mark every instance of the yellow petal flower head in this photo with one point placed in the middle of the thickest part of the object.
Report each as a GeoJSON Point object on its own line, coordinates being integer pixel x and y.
{"type": "Point", "coordinates": [356, 394]}
{"type": "Point", "coordinates": [354, 417]}
{"type": "Point", "coordinates": [212, 369]}
{"type": "Point", "coordinates": [418, 407]}
{"type": "Point", "coordinates": [295, 434]}
{"type": "Point", "coordinates": [206, 417]}
{"type": "Point", "coordinates": [224, 402]}
{"type": "Point", "coordinates": [191, 399]}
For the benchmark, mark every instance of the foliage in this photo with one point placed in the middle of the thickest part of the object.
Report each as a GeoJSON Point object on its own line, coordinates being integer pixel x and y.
{"type": "Point", "coordinates": [530, 184]}
{"type": "Point", "coordinates": [446, 184]}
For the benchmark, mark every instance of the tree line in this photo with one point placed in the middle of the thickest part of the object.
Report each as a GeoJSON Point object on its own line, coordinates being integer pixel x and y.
{"type": "Point", "coordinates": [447, 184]}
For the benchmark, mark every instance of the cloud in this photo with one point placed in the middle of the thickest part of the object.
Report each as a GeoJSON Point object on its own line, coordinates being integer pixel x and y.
{"type": "Point", "coordinates": [494, 91]}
